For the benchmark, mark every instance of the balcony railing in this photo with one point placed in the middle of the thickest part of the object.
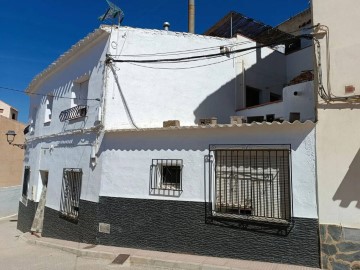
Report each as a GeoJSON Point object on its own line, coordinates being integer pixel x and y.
{"type": "Point", "coordinates": [73, 113]}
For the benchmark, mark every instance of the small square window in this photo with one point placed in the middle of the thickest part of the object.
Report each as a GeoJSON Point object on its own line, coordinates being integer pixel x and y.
{"type": "Point", "coordinates": [166, 175]}
{"type": "Point", "coordinates": [48, 108]}
{"type": "Point", "coordinates": [79, 93]}
{"type": "Point", "coordinates": [170, 177]}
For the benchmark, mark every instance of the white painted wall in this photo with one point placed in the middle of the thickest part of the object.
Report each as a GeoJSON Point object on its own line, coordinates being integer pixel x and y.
{"type": "Point", "coordinates": [303, 102]}
{"type": "Point", "coordinates": [9, 200]}
{"type": "Point", "coordinates": [88, 63]}
{"type": "Point", "coordinates": [299, 61]}
{"type": "Point", "coordinates": [265, 69]}
{"type": "Point", "coordinates": [153, 96]}
{"type": "Point", "coordinates": [338, 143]}
{"type": "Point", "coordinates": [126, 158]}
{"type": "Point", "coordinates": [156, 92]}
{"type": "Point", "coordinates": [53, 156]}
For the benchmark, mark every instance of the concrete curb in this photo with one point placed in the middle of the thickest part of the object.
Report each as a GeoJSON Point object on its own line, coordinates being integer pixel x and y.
{"type": "Point", "coordinates": [78, 252]}
{"type": "Point", "coordinates": [7, 217]}
{"type": "Point", "coordinates": [147, 262]}
{"type": "Point", "coordinates": [134, 261]}
{"type": "Point", "coordinates": [169, 264]}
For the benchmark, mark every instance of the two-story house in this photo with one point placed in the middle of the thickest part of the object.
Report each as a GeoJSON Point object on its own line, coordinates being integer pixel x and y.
{"type": "Point", "coordinates": [136, 140]}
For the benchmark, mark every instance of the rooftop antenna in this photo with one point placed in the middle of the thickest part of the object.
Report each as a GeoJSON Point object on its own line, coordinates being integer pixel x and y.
{"type": "Point", "coordinates": [112, 13]}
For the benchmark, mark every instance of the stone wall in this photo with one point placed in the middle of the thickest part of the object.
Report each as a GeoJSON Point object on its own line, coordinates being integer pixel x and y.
{"type": "Point", "coordinates": [340, 248]}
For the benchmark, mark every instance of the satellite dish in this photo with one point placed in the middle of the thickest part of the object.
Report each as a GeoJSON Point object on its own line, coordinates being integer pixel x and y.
{"type": "Point", "coordinates": [113, 12]}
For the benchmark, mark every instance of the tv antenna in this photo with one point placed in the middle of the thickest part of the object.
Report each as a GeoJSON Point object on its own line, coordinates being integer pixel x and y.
{"type": "Point", "coordinates": [113, 12]}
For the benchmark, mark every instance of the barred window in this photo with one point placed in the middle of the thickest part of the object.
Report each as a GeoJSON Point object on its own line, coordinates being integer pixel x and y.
{"type": "Point", "coordinates": [252, 181]}
{"type": "Point", "coordinates": [26, 179]}
{"type": "Point", "coordinates": [70, 194]}
{"type": "Point", "coordinates": [166, 175]}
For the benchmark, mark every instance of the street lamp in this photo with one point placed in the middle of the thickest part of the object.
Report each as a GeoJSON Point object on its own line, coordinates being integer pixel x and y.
{"type": "Point", "coordinates": [10, 137]}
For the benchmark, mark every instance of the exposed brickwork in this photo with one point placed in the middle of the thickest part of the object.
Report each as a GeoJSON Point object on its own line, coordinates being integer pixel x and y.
{"type": "Point", "coordinates": [337, 251]}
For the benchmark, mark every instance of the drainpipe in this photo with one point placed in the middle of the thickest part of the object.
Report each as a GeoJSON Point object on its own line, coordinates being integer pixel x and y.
{"type": "Point", "coordinates": [192, 16]}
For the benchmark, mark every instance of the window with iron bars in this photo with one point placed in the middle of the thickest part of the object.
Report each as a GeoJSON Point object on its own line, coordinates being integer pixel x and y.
{"type": "Point", "coordinates": [252, 181]}
{"type": "Point", "coordinates": [166, 175]}
{"type": "Point", "coordinates": [70, 194]}
{"type": "Point", "coordinates": [25, 186]}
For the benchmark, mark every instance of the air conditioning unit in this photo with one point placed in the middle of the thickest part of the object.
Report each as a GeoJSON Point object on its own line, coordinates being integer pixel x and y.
{"type": "Point", "coordinates": [207, 121]}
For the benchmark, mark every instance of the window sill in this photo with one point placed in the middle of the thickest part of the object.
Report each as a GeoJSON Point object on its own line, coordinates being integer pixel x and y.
{"type": "Point", "coordinates": [252, 219]}
{"type": "Point", "coordinates": [167, 192]}
{"type": "Point", "coordinates": [69, 217]}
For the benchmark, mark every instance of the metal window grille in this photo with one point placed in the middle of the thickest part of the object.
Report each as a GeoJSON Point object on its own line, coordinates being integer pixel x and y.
{"type": "Point", "coordinates": [73, 113]}
{"type": "Point", "coordinates": [166, 174]}
{"type": "Point", "coordinates": [25, 186]}
{"type": "Point", "coordinates": [252, 182]}
{"type": "Point", "coordinates": [70, 194]}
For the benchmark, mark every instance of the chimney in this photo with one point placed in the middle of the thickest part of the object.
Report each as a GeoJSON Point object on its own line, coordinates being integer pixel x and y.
{"type": "Point", "coordinates": [191, 16]}
{"type": "Point", "coordinates": [166, 26]}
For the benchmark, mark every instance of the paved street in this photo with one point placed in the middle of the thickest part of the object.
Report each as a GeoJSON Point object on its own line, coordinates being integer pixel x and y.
{"type": "Point", "coordinates": [17, 254]}
{"type": "Point", "coordinates": [32, 253]}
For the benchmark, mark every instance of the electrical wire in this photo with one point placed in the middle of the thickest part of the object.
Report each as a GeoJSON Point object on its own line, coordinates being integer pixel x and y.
{"type": "Point", "coordinates": [183, 51]}
{"type": "Point", "coordinates": [37, 94]}
{"type": "Point", "coordinates": [192, 67]}
{"type": "Point", "coordinates": [219, 54]}
{"type": "Point", "coordinates": [126, 106]}
{"type": "Point", "coordinates": [200, 49]}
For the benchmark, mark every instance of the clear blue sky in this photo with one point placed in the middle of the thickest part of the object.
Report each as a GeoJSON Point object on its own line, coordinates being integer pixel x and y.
{"type": "Point", "coordinates": [35, 33]}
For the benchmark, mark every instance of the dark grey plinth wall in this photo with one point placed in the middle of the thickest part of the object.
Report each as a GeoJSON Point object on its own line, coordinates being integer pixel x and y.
{"type": "Point", "coordinates": [85, 231]}
{"type": "Point", "coordinates": [178, 226]}
{"type": "Point", "coordinates": [26, 215]}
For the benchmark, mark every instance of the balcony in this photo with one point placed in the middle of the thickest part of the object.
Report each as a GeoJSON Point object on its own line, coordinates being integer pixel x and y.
{"type": "Point", "coordinates": [73, 113]}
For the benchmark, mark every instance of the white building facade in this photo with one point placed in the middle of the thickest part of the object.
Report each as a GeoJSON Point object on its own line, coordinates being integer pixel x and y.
{"type": "Point", "coordinates": [106, 169]}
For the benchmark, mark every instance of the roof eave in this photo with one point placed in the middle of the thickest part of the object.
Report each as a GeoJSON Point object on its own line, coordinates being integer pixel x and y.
{"type": "Point", "coordinates": [66, 57]}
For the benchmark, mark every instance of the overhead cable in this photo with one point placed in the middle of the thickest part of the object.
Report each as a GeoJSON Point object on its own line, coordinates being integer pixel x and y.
{"type": "Point", "coordinates": [45, 95]}
{"type": "Point", "coordinates": [219, 54]}
{"type": "Point", "coordinates": [192, 67]}
{"type": "Point", "coordinates": [183, 51]}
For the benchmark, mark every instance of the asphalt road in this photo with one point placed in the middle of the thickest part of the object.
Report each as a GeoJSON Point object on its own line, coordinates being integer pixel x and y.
{"type": "Point", "coordinates": [16, 254]}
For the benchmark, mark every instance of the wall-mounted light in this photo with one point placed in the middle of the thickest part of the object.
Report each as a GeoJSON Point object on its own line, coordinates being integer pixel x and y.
{"type": "Point", "coordinates": [10, 137]}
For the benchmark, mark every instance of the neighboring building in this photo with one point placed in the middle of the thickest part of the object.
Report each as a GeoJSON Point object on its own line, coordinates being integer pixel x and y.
{"type": "Point", "coordinates": [11, 161]}
{"type": "Point", "coordinates": [149, 153]}
{"type": "Point", "coordinates": [337, 132]}
{"type": "Point", "coordinates": [297, 24]}
{"type": "Point", "coordinates": [7, 111]}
